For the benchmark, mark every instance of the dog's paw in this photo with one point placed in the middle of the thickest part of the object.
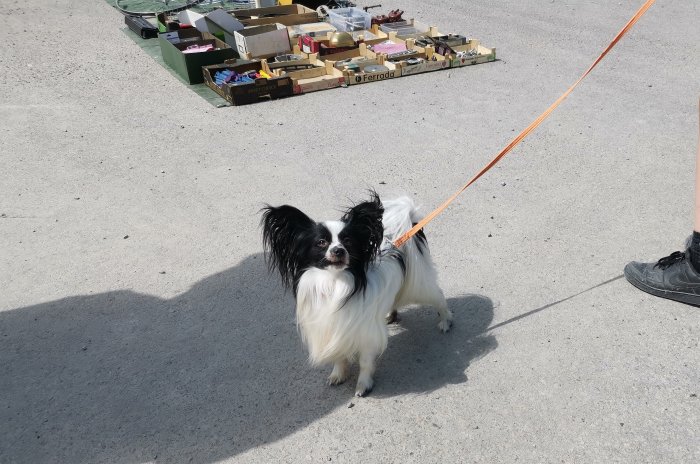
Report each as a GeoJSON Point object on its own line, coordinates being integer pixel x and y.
{"type": "Point", "coordinates": [336, 379]}
{"type": "Point", "coordinates": [444, 325]}
{"type": "Point", "coordinates": [392, 317]}
{"type": "Point", "coordinates": [364, 388]}
{"type": "Point", "coordinates": [339, 373]}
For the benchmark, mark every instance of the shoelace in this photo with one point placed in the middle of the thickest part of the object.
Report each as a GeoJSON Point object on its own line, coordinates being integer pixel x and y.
{"type": "Point", "coordinates": [670, 260]}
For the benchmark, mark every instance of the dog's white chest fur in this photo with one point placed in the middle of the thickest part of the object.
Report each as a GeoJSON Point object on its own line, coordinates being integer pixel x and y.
{"type": "Point", "coordinates": [333, 327]}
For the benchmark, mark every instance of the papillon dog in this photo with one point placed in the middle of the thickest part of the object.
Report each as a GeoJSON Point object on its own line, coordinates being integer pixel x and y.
{"type": "Point", "coordinates": [349, 280]}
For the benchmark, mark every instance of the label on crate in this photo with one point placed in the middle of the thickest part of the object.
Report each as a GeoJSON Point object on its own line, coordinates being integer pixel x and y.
{"type": "Point", "coordinates": [372, 77]}
{"type": "Point", "coordinates": [425, 66]}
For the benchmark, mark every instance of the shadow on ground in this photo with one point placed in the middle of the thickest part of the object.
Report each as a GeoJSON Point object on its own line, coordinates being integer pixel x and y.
{"type": "Point", "coordinates": [122, 377]}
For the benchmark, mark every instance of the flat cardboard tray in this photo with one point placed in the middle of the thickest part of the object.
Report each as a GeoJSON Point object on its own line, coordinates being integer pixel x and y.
{"type": "Point", "coordinates": [483, 54]}
{"type": "Point", "coordinates": [361, 51]}
{"type": "Point", "coordinates": [428, 60]}
{"type": "Point", "coordinates": [289, 15]}
{"type": "Point", "coordinates": [253, 92]}
{"type": "Point", "coordinates": [318, 76]}
{"type": "Point", "coordinates": [366, 58]}
{"type": "Point", "coordinates": [420, 29]}
{"type": "Point", "coordinates": [364, 77]}
{"type": "Point", "coordinates": [309, 44]}
{"type": "Point", "coordinates": [429, 65]}
{"type": "Point", "coordinates": [378, 35]}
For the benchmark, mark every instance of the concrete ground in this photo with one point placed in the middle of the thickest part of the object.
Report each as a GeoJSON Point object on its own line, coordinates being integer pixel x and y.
{"type": "Point", "coordinates": [138, 322]}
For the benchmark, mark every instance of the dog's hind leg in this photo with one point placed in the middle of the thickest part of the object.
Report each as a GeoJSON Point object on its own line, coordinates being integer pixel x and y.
{"type": "Point", "coordinates": [445, 315]}
{"type": "Point", "coordinates": [434, 297]}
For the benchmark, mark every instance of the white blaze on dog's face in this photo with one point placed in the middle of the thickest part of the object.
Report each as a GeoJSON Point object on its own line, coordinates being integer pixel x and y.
{"type": "Point", "coordinates": [336, 254]}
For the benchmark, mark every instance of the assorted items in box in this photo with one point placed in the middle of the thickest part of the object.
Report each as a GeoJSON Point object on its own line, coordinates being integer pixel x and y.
{"type": "Point", "coordinates": [249, 55]}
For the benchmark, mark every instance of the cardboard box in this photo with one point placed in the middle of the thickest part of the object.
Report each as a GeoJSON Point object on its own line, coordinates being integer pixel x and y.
{"type": "Point", "coordinates": [263, 41]}
{"type": "Point", "coordinates": [253, 92]}
{"type": "Point", "coordinates": [289, 15]}
{"type": "Point", "coordinates": [408, 68]}
{"type": "Point", "coordinates": [317, 79]}
{"type": "Point", "coordinates": [364, 76]}
{"type": "Point", "coordinates": [293, 65]}
{"type": "Point", "coordinates": [362, 57]}
{"type": "Point", "coordinates": [215, 22]}
{"type": "Point", "coordinates": [360, 52]}
{"type": "Point", "coordinates": [395, 45]}
{"type": "Point", "coordinates": [421, 60]}
{"type": "Point", "coordinates": [189, 65]}
{"type": "Point", "coordinates": [318, 76]}
{"type": "Point", "coordinates": [410, 29]}
{"type": "Point", "coordinates": [482, 54]}
{"type": "Point", "coordinates": [372, 36]}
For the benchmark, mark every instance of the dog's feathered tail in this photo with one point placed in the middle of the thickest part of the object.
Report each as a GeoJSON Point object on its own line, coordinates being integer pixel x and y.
{"type": "Point", "coordinates": [400, 215]}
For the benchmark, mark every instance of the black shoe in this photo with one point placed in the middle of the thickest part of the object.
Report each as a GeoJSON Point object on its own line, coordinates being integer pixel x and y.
{"type": "Point", "coordinates": [672, 277]}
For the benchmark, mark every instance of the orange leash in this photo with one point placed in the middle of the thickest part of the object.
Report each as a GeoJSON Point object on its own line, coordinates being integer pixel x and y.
{"type": "Point", "coordinates": [401, 240]}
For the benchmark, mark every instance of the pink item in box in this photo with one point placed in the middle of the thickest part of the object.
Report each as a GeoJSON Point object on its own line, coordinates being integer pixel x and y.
{"type": "Point", "coordinates": [198, 48]}
{"type": "Point", "coordinates": [389, 47]}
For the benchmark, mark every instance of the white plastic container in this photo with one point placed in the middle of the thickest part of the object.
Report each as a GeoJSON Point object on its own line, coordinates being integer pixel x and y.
{"type": "Point", "coordinates": [350, 19]}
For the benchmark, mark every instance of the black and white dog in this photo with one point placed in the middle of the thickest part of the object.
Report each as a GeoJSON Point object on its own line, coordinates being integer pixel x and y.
{"type": "Point", "coordinates": [349, 279]}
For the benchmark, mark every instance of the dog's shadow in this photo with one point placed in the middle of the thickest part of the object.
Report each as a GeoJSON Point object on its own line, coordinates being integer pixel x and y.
{"type": "Point", "coordinates": [421, 359]}
{"type": "Point", "coordinates": [126, 377]}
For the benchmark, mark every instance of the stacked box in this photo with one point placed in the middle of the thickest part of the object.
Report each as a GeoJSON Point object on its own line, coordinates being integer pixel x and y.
{"type": "Point", "coordinates": [189, 65]}
{"type": "Point", "coordinates": [263, 41]}
{"type": "Point", "coordinates": [289, 15]}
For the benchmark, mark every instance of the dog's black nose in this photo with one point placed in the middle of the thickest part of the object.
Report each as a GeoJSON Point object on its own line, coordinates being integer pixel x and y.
{"type": "Point", "coordinates": [338, 252]}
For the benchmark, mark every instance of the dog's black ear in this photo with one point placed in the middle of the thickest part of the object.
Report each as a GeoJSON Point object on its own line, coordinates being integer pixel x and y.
{"type": "Point", "coordinates": [285, 232]}
{"type": "Point", "coordinates": [364, 224]}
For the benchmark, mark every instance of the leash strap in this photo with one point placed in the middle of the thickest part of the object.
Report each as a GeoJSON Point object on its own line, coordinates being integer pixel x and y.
{"type": "Point", "coordinates": [401, 240]}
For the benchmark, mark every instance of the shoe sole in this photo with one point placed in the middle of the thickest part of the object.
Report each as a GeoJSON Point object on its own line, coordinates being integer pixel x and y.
{"type": "Point", "coordinates": [685, 298]}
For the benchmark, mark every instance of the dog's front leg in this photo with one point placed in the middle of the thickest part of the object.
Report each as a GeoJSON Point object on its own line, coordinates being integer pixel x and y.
{"type": "Point", "coordinates": [339, 373]}
{"type": "Point", "coordinates": [392, 317]}
{"type": "Point", "coordinates": [367, 365]}
{"type": "Point", "coordinates": [445, 316]}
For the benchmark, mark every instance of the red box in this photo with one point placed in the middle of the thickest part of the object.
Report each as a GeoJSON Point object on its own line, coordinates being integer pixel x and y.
{"type": "Point", "coordinates": [311, 44]}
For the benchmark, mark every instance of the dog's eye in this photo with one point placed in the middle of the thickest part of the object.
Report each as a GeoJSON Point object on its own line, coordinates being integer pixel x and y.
{"type": "Point", "coordinates": [322, 243]}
